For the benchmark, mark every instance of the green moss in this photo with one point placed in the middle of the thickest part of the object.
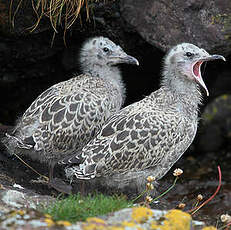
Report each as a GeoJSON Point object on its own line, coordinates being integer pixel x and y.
{"type": "Point", "coordinates": [78, 208]}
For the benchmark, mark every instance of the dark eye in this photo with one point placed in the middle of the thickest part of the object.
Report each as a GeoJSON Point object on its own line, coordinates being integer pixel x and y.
{"type": "Point", "coordinates": [188, 54]}
{"type": "Point", "coordinates": [105, 49]}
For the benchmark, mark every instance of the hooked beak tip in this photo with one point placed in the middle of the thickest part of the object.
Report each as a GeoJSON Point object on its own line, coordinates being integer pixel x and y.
{"type": "Point", "coordinates": [124, 59]}
{"type": "Point", "coordinates": [214, 57]}
{"type": "Point", "coordinates": [132, 60]}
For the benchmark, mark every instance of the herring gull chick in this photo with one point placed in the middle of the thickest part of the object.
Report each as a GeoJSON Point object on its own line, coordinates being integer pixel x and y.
{"type": "Point", "coordinates": [67, 115]}
{"type": "Point", "coordinates": [149, 136]}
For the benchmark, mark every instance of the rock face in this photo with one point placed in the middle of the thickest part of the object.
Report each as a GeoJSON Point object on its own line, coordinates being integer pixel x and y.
{"type": "Point", "coordinates": [216, 124]}
{"type": "Point", "coordinates": [166, 23]}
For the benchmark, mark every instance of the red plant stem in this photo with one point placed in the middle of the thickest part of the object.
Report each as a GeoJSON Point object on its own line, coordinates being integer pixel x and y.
{"type": "Point", "coordinates": [194, 210]}
{"type": "Point", "coordinates": [228, 225]}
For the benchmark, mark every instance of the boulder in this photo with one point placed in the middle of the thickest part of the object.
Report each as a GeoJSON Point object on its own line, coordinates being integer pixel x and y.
{"type": "Point", "coordinates": [165, 23]}
{"type": "Point", "coordinates": [134, 218]}
{"type": "Point", "coordinates": [215, 129]}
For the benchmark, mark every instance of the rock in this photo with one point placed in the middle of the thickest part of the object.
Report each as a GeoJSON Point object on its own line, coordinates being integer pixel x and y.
{"type": "Point", "coordinates": [166, 23]}
{"type": "Point", "coordinates": [218, 77]}
{"type": "Point", "coordinates": [12, 199]}
{"type": "Point", "coordinates": [215, 124]}
{"type": "Point", "coordinates": [19, 208]}
{"type": "Point", "coordinates": [129, 218]}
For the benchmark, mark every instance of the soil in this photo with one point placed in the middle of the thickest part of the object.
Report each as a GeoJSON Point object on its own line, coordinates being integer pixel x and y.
{"type": "Point", "coordinates": [201, 177]}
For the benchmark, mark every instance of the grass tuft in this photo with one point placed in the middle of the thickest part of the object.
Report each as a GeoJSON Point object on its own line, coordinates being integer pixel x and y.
{"type": "Point", "coordinates": [78, 208]}
{"type": "Point", "coordinates": [60, 12]}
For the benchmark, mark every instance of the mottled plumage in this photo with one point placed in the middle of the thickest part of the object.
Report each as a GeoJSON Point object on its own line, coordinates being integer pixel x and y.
{"type": "Point", "coordinates": [67, 115]}
{"type": "Point", "coordinates": [149, 136]}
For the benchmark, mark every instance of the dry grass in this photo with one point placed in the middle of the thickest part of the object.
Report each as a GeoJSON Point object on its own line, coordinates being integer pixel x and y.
{"type": "Point", "coordinates": [58, 11]}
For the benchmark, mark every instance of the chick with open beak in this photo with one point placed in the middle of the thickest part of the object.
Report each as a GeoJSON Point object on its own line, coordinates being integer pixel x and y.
{"type": "Point", "coordinates": [186, 60]}
{"type": "Point", "coordinates": [149, 136]}
{"type": "Point", "coordinates": [196, 69]}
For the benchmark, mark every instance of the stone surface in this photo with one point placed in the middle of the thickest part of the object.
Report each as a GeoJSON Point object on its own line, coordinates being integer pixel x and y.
{"type": "Point", "coordinates": [130, 218]}
{"type": "Point", "coordinates": [18, 208]}
{"type": "Point", "coordinates": [11, 199]}
{"type": "Point", "coordinates": [167, 23]}
{"type": "Point", "coordinates": [216, 124]}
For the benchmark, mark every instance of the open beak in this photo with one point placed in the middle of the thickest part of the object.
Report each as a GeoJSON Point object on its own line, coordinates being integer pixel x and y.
{"type": "Point", "coordinates": [122, 57]}
{"type": "Point", "coordinates": [196, 69]}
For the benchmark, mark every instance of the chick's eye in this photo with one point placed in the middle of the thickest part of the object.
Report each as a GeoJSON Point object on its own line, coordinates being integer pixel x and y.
{"type": "Point", "coordinates": [189, 54]}
{"type": "Point", "coordinates": [105, 49]}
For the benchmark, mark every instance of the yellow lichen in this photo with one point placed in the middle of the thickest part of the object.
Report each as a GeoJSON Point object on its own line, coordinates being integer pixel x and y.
{"type": "Point", "coordinates": [208, 117]}
{"type": "Point", "coordinates": [94, 223]}
{"type": "Point", "coordinates": [63, 223]}
{"type": "Point", "coordinates": [174, 220]}
{"type": "Point", "coordinates": [219, 19]}
{"type": "Point", "coordinates": [155, 226]}
{"type": "Point", "coordinates": [209, 228]}
{"type": "Point", "coordinates": [128, 224]}
{"type": "Point", "coordinates": [21, 212]}
{"type": "Point", "coordinates": [214, 110]}
{"type": "Point", "coordinates": [141, 214]}
{"type": "Point", "coordinates": [49, 222]}
{"type": "Point", "coordinates": [227, 37]}
{"type": "Point", "coordinates": [95, 220]}
{"type": "Point", "coordinates": [177, 220]}
{"type": "Point", "coordinates": [115, 228]}
{"type": "Point", "coordinates": [139, 228]}
{"type": "Point", "coordinates": [224, 97]}
{"type": "Point", "coordinates": [93, 227]}
{"type": "Point", "coordinates": [17, 212]}
{"type": "Point", "coordinates": [48, 216]}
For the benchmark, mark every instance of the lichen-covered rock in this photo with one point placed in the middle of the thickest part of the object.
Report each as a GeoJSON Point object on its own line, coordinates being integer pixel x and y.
{"type": "Point", "coordinates": [15, 197]}
{"type": "Point", "coordinates": [209, 228]}
{"type": "Point", "coordinates": [165, 23]}
{"type": "Point", "coordinates": [215, 124]}
{"type": "Point", "coordinates": [145, 218]}
{"type": "Point", "coordinates": [176, 219]}
{"type": "Point", "coordinates": [136, 218]}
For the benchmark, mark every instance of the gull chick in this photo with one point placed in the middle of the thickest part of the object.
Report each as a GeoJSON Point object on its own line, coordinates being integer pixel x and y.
{"type": "Point", "coordinates": [68, 115]}
{"type": "Point", "coordinates": [147, 137]}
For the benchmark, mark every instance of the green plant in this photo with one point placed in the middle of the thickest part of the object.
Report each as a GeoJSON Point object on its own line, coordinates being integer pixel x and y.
{"type": "Point", "coordinates": [79, 208]}
{"type": "Point", "coordinates": [149, 187]}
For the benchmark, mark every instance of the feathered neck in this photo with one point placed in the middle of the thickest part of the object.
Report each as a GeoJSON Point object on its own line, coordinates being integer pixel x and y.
{"type": "Point", "coordinates": [181, 87]}
{"type": "Point", "coordinates": [111, 74]}
{"type": "Point", "coordinates": [182, 92]}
